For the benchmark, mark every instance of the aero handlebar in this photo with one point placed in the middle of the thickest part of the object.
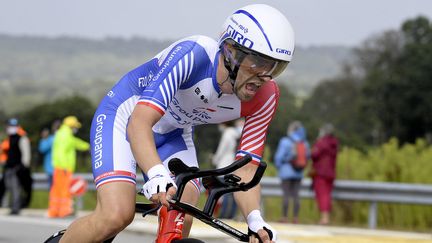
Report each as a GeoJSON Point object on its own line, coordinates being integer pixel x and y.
{"type": "Point", "coordinates": [218, 182]}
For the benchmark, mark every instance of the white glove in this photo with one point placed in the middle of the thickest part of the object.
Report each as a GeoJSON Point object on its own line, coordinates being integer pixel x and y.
{"type": "Point", "coordinates": [256, 222]}
{"type": "Point", "coordinates": [158, 182]}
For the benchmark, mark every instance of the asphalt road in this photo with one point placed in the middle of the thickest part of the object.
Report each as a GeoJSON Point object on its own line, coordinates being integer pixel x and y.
{"type": "Point", "coordinates": [33, 226]}
{"type": "Point", "coordinates": [25, 229]}
{"type": "Point", "coordinates": [19, 229]}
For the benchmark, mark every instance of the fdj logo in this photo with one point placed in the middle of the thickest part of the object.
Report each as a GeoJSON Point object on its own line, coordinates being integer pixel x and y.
{"type": "Point", "coordinates": [238, 37]}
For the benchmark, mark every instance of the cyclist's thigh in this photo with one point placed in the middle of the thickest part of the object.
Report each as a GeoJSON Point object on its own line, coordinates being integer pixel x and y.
{"type": "Point", "coordinates": [112, 157]}
{"type": "Point", "coordinates": [191, 192]}
{"type": "Point", "coordinates": [116, 198]}
{"type": "Point", "coordinates": [114, 167]}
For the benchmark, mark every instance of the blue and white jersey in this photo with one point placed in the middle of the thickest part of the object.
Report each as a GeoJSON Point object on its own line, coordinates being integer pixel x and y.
{"type": "Point", "coordinates": [179, 83]}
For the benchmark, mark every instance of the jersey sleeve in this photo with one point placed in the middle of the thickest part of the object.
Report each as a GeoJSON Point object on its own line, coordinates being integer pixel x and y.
{"type": "Point", "coordinates": [175, 66]}
{"type": "Point", "coordinates": [258, 114]}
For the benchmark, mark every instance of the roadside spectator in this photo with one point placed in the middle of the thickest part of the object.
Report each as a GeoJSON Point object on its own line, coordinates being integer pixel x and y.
{"type": "Point", "coordinates": [324, 153]}
{"type": "Point", "coordinates": [4, 146]}
{"type": "Point", "coordinates": [64, 161]}
{"type": "Point", "coordinates": [45, 148]}
{"type": "Point", "coordinates": [291, 177]}
{"type": "Point", "coordinates": [224, 156]}
{"type": "Point", "coordinates": [17, 148]}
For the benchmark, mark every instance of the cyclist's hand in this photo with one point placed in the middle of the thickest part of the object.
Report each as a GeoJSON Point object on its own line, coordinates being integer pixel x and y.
{"type": "Point", "coordinates": [262, 237]}
{"type": "Point", "coordinates": [259, 229]}
{"type": "Point", "coordinates": [160, 187]}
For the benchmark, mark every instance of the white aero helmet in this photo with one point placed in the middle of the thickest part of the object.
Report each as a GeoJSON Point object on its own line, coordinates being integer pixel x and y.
{"type": "Point", "coordinates": [261, 32]}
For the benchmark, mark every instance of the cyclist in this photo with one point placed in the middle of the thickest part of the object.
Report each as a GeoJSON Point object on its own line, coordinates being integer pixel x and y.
{"type": "Point", "coordinates": [147, 118]}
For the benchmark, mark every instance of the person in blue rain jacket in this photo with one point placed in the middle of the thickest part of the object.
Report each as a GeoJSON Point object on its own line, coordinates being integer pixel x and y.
{"type": "Point", "coordinates": [290, 177]}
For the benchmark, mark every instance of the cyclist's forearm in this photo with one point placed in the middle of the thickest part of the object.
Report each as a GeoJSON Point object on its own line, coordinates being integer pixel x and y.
{"type": "Point", "coordinates": [145, 156]}
{"type": "Point", "coordinates": [141, 137]}
{"type": "Point", "coordinates": [249, 200]}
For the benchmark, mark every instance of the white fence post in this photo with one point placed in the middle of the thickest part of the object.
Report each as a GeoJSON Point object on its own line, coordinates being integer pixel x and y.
{"type": "Point", "coordinates": [373, 210]}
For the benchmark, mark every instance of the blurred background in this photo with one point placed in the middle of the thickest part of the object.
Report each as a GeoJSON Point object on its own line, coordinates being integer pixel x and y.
{"type": "Point", "coordinates": [364, 66]}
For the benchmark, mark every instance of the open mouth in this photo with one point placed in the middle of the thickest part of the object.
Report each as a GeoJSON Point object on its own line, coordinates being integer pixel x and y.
{"type": "Point", "coordinates": [252, 88]}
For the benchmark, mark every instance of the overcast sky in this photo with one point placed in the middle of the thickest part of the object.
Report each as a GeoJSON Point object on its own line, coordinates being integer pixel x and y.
{"type": "Point", "coordinates": [315, 22]}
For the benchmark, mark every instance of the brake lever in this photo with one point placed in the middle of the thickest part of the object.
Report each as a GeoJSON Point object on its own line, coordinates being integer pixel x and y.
{"type": "Point", "coordinates": [147, 208]}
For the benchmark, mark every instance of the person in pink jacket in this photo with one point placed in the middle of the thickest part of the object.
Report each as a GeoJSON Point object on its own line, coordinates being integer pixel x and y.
{"type": "Point", "coordinates": [324, 154]}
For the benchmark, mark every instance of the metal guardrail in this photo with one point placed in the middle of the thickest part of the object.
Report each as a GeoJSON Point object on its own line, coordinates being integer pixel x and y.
{"type": "Point", "coordinates": [365, 191]}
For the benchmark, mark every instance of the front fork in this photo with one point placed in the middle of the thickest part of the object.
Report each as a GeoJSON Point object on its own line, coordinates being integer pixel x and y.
{"type": "Point", "coordinates": [170, 225]}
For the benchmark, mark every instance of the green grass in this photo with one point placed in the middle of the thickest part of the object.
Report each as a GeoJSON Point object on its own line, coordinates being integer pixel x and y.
{"type": "Point", "coordinates": [40, 200]}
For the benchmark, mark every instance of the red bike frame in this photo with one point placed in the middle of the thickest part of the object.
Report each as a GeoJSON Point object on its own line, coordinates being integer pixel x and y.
{"type": "Point", "coordinates": [170, 225]}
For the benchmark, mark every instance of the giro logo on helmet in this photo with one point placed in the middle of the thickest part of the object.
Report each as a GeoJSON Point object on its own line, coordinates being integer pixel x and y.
{"type": "Point", "coordinates": [280, 50]}
{"type": "Point", "coordinates": [238, 37]}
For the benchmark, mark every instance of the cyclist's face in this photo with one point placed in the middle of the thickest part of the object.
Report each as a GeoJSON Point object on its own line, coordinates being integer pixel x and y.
{"type": "Point", "coordinates": [253, 70]}
{"type": "Point", "coordinates": [250, 77]}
